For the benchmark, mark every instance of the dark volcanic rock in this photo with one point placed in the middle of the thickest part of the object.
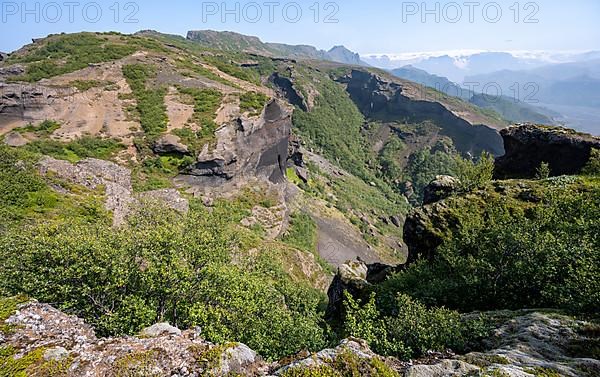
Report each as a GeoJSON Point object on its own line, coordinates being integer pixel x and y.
{"type": "Point", "coordinates": [354, 277]}
{"type": "Point", "coordinates": [424, 229]}
{"type": "Point", "coordinates": [285, 88]}
{"type": "Point", "coordinates": [382, 99]}
{"type": "Point", "coordinates": [442, 187]}
{"type": "Point", "coordinates": [170, 144]}
{"type": "Point", "coordinates": [256, 147]}
{"type": "Point", "coordinates": [528, 145]}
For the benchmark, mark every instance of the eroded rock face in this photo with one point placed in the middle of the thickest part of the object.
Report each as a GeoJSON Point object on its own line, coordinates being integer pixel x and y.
{"type": "Point", "coordinates": [256, 147]}
{"type": "Point", "coordinates": [528, 146]}
{"type": "Point", "coordinates": [96, 174]}
{"type": "Point", "coordinates": [382, 99]}
{"type": "Point", "coordinates": [15, 139]}
{"type": "Point", "coordinates": [285, 88]}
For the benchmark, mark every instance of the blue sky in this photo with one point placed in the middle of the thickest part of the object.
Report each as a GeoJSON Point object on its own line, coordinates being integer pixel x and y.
{"type": "Point", "coordinates": [363, 26]}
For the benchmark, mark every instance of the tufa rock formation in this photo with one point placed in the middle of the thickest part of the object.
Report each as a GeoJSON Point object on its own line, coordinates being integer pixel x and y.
{"type": "Point", "coordinates": [528, 146]}
{"type": "Point", "coordinates": [256, 147]}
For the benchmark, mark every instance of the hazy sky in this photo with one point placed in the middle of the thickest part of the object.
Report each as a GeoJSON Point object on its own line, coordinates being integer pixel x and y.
{"type": "Point", "coordinates": [363, 26]}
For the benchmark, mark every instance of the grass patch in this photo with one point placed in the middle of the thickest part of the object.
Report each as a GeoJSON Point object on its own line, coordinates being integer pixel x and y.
{"type": "Point", "coordinates": [76, 150]}
{"type": "Point", "coordinates": [150, 107]}
{"type": "Point", "coordinates": [44, 128]}
{"type": "Point", "coordinates": [63, 54]}
{"type": "Point", "coordinates": [227, 66]}
{"type": "Point", "coordinates": [206, 103]}
{"type": "Point", "coordinates": [253, 102]}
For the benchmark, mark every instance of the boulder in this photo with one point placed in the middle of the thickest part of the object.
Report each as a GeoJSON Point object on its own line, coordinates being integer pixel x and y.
{"type": "Point", "coordinates": [15, 139]}
{"type": "Point", "coordinates": [354, 277]}
{"type": "Point", "coordinates": [528, 146]}
{"type": "Point", "coordinates": [3, 56]}
{"type": "Point", "coordinates": [170, 144]}
{"type": "Point", "coordinates": [445, 368]}
{"type": "Point", "coordinates": [169, 197]}
{"type": "Point", "coordinates": [302, 174]}
{"type": "Point", "coordinates": [160, 329]}
{"type": "Point", "coordinates": [440, 188]}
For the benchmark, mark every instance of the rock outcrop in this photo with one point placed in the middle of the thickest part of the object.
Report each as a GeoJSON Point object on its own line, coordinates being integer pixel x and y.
{"type": "Point", "coordinates": [528, 146]}
{"type": "Point", "coordinates": [15, 139]}
{"type": "Point", "coordinates": [3, 56]}
{"type": "Point", "coordinates": [354, 277]}
{"type": "Point", "coordinates": [47, 339]}
{"type": "Point", "coordinates": [386, 100]}
{"type": "Point", "coordinates": [255, 147]}
{"type": "Point", "coordinates": [170, 144]}
{"type": "Point", "coordinates": [440, 188]}
{"type": "Point", "coordinates": [36, 338]}
{"type": "Point", "coordinates": [115, 180]}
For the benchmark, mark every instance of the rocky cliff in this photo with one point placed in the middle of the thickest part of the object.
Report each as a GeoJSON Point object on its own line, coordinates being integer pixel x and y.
{"type": "Point", "coordinates": [247, 147]}
{"type": "Point", "coordinates": [385, 99]}
{"type": "Point", "coordinates": [528, 146]}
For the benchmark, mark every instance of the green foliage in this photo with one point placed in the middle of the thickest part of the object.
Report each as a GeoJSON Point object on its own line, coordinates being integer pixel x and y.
{"type": "Point", "coordinates": [44, 128]}
{"type": "Point", "coordinates": [150, 102]}
{"type": "Point", "coordinates": [302, 232]}
{"type": "Point", "coordinates": [543, 171]}
{"type": "Point", "coordinates": [253, 102]}
{"type": "Point", "coordinates": [507, 254]}
{"type": "Point", "coordinates": [345, 364]}
{"type": "Point", "coordinates": [406, 328]}
{"type": "Point", "coordinates": [162, 267]}
{"type": "Point", "coordinates": [22, 191]}
{"type": "Point", "coordinates": [85, 147]}
{"type": "Point", "coordinates": [389, 165]}
{"type": "Point", "coordinates": [229, 67]}
{"type": "Point", "coordinates": [475, 174]}
{"type": "Point", "coordinates": [206, 103]}
{"type": "Point", "coordinates": [424, 165]}
{"type": "Point", "coordinates": [593, 165]}
{"type": "Point", "coordinates": [155, 173]}
{"type": "Point", "coordinates": [333, 127]}
{"type": "Point", "coordinates": [68, 53]}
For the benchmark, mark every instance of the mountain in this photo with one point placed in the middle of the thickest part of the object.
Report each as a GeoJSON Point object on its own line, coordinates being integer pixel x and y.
{"type": "Point", "coordinates": [569, 88]}
{"type": "Point", "coordinates": [175, 207]}
{"type": "Point", "coordinates": [230, 41]}
{"type": "Point", "coordinates": [456, 65]}
{"type": "Point", "coordinates": [510, 109]}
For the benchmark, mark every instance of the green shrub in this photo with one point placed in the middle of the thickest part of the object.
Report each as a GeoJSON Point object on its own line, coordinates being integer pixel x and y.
{"type": "Point", "coordinates": [593, 165]}
{"type": "Point", "coordinates": [85, 147]}
{"type": "Point", "coordinates": [508, 254]}
{"type": "Point", "coordinates": [425, 165]}
{"type": "Point", "coordinates": [253, 102]}
{"type": "Point", "coordinates": [543, 171]}
{"type": "Point", "coordinates": [150, 102]}
{"type": "Point", "coordinates": [406, 328]}
{"type": "Point", "coordinates": [44, 128]}
{"type": "Point", "coordinates": [473, 175]}
{"type": "Point", "coordinates": [161, 267]}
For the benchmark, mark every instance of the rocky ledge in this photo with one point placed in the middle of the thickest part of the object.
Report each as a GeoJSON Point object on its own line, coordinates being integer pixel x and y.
{"type": "Point", "coordinates": [36, 339]}
{"type": "Point", "coordinates": [528, 146]}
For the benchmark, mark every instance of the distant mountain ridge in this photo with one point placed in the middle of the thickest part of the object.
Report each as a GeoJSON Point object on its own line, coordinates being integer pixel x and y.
{"type": "Point", "coordinates": [231, 41]}
{"type": "Point", "coordinates": [456, 65]}
{"type": "Point", "coordinates": [509, 108]}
